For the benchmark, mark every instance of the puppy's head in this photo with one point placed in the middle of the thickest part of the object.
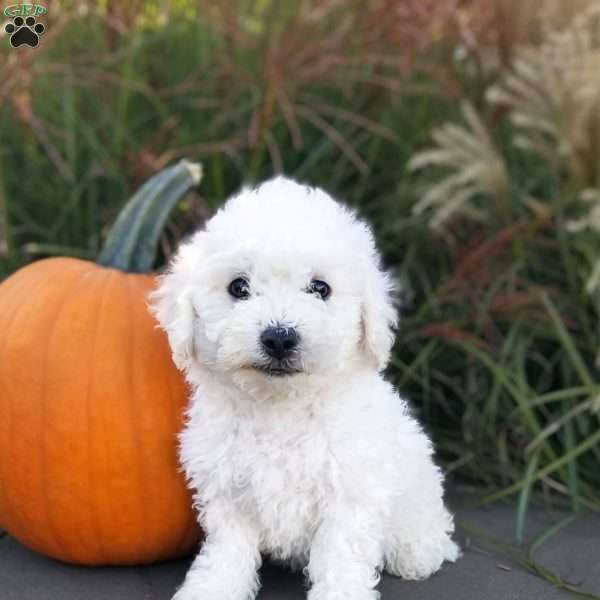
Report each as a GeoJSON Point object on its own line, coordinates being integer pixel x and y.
{"type": "Point", "coordinates": [282, 283]}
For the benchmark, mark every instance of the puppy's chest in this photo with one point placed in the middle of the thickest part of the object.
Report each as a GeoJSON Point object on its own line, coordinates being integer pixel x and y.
{"type": "Point", "coordinates": [277, 466]}
{"type": "Point", "coordinates": [283, 458]}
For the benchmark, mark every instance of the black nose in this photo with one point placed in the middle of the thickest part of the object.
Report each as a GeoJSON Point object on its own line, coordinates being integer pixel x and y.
{"type": "Point", "coordinates": [279, 342]}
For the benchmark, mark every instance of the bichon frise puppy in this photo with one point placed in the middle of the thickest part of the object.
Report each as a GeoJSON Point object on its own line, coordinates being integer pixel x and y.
{"type": "Point", "coordinates": [296, 447]}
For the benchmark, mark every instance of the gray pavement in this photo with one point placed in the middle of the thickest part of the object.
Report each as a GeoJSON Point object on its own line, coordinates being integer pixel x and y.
{"type": "Point", "coordinates": [486, 571]}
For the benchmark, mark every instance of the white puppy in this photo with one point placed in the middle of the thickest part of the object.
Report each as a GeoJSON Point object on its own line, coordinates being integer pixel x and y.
{"type": "Point", "coordinates": [296, 447]}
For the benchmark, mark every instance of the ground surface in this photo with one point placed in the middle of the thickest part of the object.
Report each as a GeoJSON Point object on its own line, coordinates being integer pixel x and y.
{"type": "Point", "coordinates": [485, 572]}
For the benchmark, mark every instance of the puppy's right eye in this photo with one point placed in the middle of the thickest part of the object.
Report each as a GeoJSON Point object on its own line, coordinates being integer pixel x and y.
{"type": "Point", "coordinates": [239, 288]}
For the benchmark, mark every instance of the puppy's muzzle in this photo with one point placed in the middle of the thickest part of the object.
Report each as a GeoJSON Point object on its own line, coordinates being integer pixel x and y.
{"type": "Point", "coordinates": [279, 343]}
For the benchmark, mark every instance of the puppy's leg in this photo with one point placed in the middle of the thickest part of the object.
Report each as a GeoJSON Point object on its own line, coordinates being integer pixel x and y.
{"type": "Point", "coordinates": [226, 567]}
{"type": "Point", "coordinates": [419, 539]}
{"type": "Point", "coordinates": [346, 555]}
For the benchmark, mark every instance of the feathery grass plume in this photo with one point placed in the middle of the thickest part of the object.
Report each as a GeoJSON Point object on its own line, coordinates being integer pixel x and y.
{"type": "Point", "coordinates": [476, 168]}
{"type": "Point", "coordinates": [592, 219]}
{"type": "Point", "coordinates": [553, 91]}
{"type": "Point", "coordinates": [521, 23]}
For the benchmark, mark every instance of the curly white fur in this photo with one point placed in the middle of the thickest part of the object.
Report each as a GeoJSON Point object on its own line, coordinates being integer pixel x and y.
{"type": "Point", "coordinates": [325, 468]}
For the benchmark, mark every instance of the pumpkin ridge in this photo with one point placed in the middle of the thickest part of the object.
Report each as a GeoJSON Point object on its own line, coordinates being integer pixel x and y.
{"type": "Point", "coordinates": [190, 530]}
{"type": "Point", "coordinates": [93, 508]}
{"type": "Point", "coordinates": [132, 403]}
{"type": "Point", "coordinates": [20, 306]}
{"type": "Point", "coordinates": [182, 541]}
{"type": "Point", "coordinates": [60, 543]}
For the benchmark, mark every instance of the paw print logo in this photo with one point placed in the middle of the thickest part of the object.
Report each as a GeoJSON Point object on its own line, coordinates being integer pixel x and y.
{"type": "Point", "coordinates": [24, 31]}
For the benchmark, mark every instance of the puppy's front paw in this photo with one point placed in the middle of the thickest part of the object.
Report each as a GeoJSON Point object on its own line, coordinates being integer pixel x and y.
{"type": "Point", "coordinates": [327, 592]}
{"type": "Point", "coordinates": [421, 560]}
{"type": "Point", "coordinates": [207, 585]}
{"type": "Point", "coordinates": [188, 592]}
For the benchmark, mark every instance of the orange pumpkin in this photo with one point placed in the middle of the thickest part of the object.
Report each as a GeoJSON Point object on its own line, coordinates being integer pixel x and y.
{"type": "Point", "coordinates": [90, 404]}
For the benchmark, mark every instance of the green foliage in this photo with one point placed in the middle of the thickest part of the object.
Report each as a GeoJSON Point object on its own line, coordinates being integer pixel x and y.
{"type": "Point", "coordinates": [99, 108]}
{"type": "Point", "coordinates": [504, 351]}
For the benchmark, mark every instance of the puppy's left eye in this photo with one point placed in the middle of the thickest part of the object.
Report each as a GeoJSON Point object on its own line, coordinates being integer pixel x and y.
{"type": "Point", "coordinates": [320, 288]}
{"type": "Point", "coordinates": [239, 288]}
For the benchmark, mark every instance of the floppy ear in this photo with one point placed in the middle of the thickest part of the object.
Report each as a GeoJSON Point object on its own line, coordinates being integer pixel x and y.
{"type": "Point", "coordinates": [379, 317]}
{"type": "Point", "coordinates": [172, 302]}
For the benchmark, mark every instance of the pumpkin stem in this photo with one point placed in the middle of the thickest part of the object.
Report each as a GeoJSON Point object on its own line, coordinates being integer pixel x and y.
{"type": "Point", "coordinates": [132, 241]}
